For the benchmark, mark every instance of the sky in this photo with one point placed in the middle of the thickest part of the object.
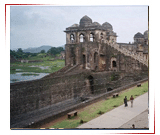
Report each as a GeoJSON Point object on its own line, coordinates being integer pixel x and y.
{"type": "Point", "coordinates": [34, 26]}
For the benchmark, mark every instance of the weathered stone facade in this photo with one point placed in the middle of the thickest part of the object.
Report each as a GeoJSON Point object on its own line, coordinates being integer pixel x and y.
{"type": "Point", "coordinates": [88, 45]}
{"type": "Point", "coordinates": [139, 46]}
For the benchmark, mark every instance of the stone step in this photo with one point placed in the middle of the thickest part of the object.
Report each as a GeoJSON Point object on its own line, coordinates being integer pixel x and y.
{"type": "Point", "coordinates": [129, 53]}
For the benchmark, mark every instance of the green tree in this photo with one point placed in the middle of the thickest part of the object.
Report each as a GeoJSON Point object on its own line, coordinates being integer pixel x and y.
{"type": "Point", "coordinates": [55, 50]}
{"type": "Point", "coordinates": [42, 51]}
{"type": "Point", "coordinates": [19, 50]}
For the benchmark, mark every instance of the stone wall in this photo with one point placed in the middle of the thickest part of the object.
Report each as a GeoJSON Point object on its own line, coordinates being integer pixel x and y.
{"type": "Point", "coordinates": [30, 95]}
{"type": "Point", "coordinates": [33, 95]}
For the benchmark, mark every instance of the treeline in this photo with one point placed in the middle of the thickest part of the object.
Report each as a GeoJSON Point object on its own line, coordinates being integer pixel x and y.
{"type": "Point", "coordinates": [55, 50]}
{"type": "Point", "coordinates": [19, 54]}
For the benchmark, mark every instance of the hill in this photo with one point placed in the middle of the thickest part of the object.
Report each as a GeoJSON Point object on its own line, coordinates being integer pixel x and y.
{"type": "Point", "coordinates": [38, 49]}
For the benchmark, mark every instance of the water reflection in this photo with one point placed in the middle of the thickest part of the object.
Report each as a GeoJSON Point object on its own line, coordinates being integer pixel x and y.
{"type": "Point", "coordinates": [18, 77]}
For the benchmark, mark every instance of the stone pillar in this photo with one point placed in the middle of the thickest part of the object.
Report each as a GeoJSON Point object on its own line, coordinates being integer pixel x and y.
{"type": "Point", "coordinates": [77, 35]}
{"type": "Point", "coordinates": [67, 38]}
{"type": "Point", "coordinates": [67, 55]}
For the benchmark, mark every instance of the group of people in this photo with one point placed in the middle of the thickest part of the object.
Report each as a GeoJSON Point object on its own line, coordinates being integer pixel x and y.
{"type": "Point", "coordinates": [125, 101]}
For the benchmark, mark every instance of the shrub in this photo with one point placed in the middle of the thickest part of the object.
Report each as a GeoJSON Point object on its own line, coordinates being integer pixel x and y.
{"type": "Point", "coordinates": [81, 121]}
{"type": "Point", "coordinates": [100, 112]}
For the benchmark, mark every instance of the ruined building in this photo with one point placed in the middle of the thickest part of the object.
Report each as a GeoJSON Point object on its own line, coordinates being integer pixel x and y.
{"type": "Point", "coordinates": [95, 66]}
{"type": "Point", "coordinates": [139, 46]}
{"type": "Point", "coordinates": [87, 45]}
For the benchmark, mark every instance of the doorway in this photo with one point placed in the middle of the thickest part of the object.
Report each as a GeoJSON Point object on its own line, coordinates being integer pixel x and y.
{"type": "Point", "coordinates": [91, 84]}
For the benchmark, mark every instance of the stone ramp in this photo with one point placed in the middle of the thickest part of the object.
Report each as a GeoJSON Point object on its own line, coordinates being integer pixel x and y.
{"type": "Point", "coordinates": [142, 59]}
{"type": "Point", "coordinates": [120, 115]}
{"type": "Point", "coordinates": [25, 120]}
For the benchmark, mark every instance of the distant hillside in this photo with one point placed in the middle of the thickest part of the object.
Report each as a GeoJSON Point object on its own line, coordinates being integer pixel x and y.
{"type": "Point", "coordinates": [38, 49]}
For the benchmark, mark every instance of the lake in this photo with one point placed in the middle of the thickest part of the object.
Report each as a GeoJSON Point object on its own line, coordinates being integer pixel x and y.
{"type": "Point", "coordinates": [18, 77]}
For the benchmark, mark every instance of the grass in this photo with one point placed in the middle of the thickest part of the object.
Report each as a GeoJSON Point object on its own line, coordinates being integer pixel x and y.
{"type": "Point", "coordinates": [92, 111]}
{"type": "Point", "coordinates": [25, 67]}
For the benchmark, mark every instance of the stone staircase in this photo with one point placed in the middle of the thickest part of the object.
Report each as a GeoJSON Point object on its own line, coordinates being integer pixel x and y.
{"type": "Point", "coordinates": [141, 58]}
{"type": "Point", "coordinates": [72, 68]}
{"type": "Point", "coordinates": [59, 72]}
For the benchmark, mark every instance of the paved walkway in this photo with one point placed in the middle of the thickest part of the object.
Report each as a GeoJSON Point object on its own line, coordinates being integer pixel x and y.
{"type": "Point", "coordinates": [120, 115]}
{"type": "Point", "coordinates": [140, 121]}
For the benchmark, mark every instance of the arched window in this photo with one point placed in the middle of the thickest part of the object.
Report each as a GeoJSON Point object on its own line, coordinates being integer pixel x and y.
{"type": "Point", "coordinates": [114, 63]}
{"type": "Point", "coordinates": [138, 64]}
{"type": "Point", "coordinates": [137, 40]}
{"type": "Point", "coordinates": [81, 38]}
{"type": "Point", "coordinates": [96, 58]}
{"type": "Point", "coordinates": [91, 37]}
{"type": "Point", "coordinates": [145, 42]}
{"type": "Point", "coordinates": [84, 61]}
{"type": "Point", "coordinates": [101, 35]}
{"type": "Point", "coordinates": [72, 38]}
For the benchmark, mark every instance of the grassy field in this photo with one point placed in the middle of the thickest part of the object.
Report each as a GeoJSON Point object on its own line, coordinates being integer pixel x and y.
{"type": "Point", "coordinates": [103, 106]}
{"type": "Point", "coordinates": [51, 66]}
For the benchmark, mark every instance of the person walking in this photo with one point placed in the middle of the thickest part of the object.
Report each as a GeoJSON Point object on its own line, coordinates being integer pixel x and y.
{"type": "Point", "coordinates": [131, 98]}
{"type": "Point", "coordinates": [125, 101]}
{"type": "Point", "coordinates": [133, 126]}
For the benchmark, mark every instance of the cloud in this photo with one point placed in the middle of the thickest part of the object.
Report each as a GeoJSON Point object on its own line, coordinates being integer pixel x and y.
{"type": "Point", "coordinates": [33, 26]}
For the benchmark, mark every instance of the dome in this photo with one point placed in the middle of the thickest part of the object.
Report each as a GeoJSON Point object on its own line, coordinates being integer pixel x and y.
{"type": "Point", "coordinates": [85, 21]}
{"type": "Point", "coordinates": [75, 25]}
{"type": "Point", "coordinates": [96, 24]}
{"type": "Point", "coordinates": [107, 25]}
{"type": "Point", "coordinates": [146, 34]}
{"type": "Point", "coordinates": [138, 35]}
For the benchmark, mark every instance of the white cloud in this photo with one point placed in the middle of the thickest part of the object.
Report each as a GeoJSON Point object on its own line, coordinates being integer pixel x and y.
{"type": "Point", "coordinates": [33, 26]}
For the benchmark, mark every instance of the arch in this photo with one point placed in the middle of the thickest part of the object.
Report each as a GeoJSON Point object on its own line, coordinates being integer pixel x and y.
{"type": "Point", "coordinates": [114, 64]}
{"type": "Point", "coordinates": [81, 38]}
{"type": "Point", "coordinates": [102, 62]}
{"type": "Point", "coordinates": [101, 35]}
{"type": "Point", "coordinates": [96, 58]}
{"type": "Point", "coordinates": [84, 61]}
{"type": "Point", "coordinates": [72, 38]}
{"type": "Point", "coordinates": [91, 83]}
{"type": "Point", "coordinates": [145, 42]}
{"type": "Point", "coordinates": [139, 64]}
{"type": "Point", "coordinates": [94, 50]}
{"type": "Point", "coordinates": [91, 37]}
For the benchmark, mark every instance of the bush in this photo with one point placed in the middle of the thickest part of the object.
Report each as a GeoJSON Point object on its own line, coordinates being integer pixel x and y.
{"type": "Point", "coordinates": [81, 121]}
{"type": "Point", "coordinates": [100, 112]}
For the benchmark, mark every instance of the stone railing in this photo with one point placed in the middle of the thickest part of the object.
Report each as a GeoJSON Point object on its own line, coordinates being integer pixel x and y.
{"type": "Point", "coordinates": [140, 58]}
